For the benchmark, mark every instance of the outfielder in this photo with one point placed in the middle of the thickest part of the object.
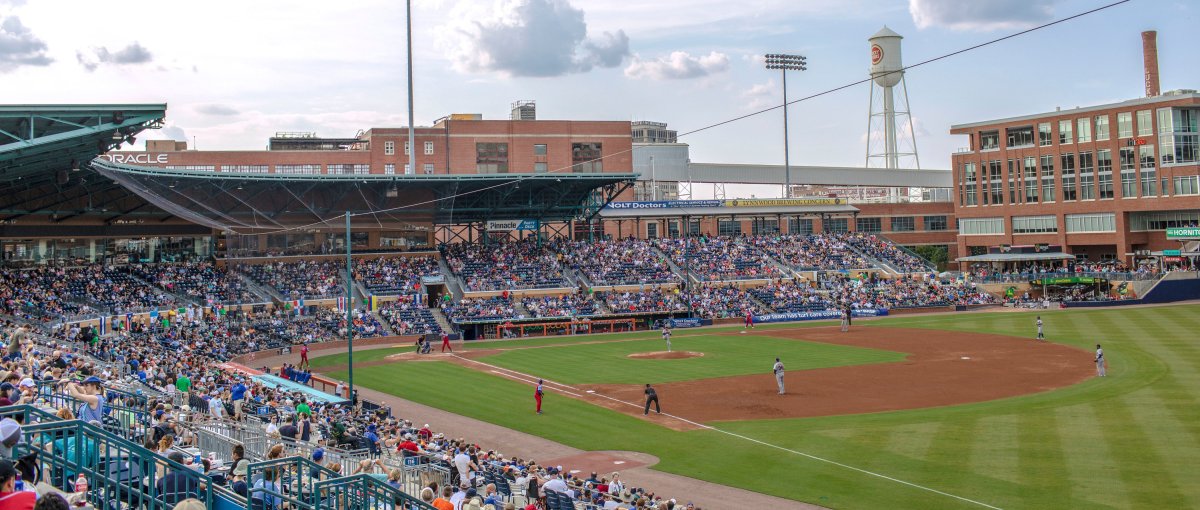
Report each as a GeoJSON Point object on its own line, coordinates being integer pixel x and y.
{"type": "Point", "coordinates": [1100, 370]}
{"type": "Point", "coordinates": [666, 333]}
{"type": "Point", "coordinates": [778, 369]}
{"type": "Point", "coordinates": [1039, 326]}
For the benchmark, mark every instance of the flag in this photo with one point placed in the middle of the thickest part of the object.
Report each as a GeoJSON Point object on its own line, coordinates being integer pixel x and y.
{"type": "Point", "coordinates": [300, 306]}
{"type": "Point", "coordinates": [341, 304]}
{"type": "Point", "coordinates": [128, 321]}
{"type": "Point", "coordinates": [103, 326]}
{"type": "Point", "coordinates": [371, 303]}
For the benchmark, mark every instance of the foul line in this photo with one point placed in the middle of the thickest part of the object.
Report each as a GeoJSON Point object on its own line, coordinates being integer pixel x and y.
{"type": "Point", "coordinates": [533, 379]}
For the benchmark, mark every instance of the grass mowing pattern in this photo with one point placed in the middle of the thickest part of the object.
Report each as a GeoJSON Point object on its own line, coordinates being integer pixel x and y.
{"type": "Point", "coordinates": [1131, 440]}
{"type": "Point", "coordinates": [608, 363]}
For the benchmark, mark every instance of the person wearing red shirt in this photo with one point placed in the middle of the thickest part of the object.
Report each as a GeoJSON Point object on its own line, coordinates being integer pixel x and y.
{"type": "Point", "coordinates": [304, 355]}
{"type": "Point", "coordinates": [446, 343]}
{"type": "Point", "coordinates": [10, 499]}
{"type": "Point", "coordinates": [408, 445]}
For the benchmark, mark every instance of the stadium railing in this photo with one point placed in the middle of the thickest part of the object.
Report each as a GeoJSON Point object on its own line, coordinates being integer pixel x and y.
{"type": "Point", "coordinates": [1030, 276]}
{"type": "Point", "coordinates": [120, 474]}
{"type": "Point", "coordinates": [294, 482]}
{"type": "Point", "coordinates": [364, 491]}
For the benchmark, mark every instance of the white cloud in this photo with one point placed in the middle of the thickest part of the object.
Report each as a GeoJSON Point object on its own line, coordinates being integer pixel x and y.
{"type": "Point", "coordinates": [216, 109]}
{"type": "Point", "coordinates": [980, 14]}
{"type": "Point", "coordinates": [19, 47]}
{"type": "Point", "coordinates": [678, 65]}
{"type": "Point", "coordinates": [762, 95]}
{"type": "Point", "coordinates": [132, 54]}
{"type": "Point", "coordinates": [530, 38]}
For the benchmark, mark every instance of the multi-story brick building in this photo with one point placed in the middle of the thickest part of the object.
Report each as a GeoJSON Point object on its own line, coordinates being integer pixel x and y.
{"type": "Point", "coordinates": [1103, 182]}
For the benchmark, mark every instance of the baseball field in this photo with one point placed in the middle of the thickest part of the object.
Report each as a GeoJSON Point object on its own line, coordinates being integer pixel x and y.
{"type": "Point", "coordinates": [942, 411]}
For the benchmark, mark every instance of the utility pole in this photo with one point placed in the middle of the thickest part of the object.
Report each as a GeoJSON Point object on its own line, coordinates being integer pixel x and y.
{"type": "Point", "coordinates": [349, 310]}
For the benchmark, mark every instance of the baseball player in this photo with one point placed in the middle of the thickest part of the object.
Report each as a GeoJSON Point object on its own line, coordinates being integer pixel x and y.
{"type": "Point", "coordinates": [749, 322]}
{"type": "Point", "coordinates": [651, 396]}
{"type": "Point", "coordinates": [845, 321]}
{"type": "Point", "coordinates": [537, 395]}
{"type": "Point", "coordinates": [1040, 336]}
{"type": "Point", "coordinates": [446, 343]}
{"type": "Point", "coordinates": [304, 355]}
{"type": "Point", "coordinates": [1100, 370]}
{"type": "Point", "coordinates": [778, 369]}
{"type": "Point", "coordinates": [666, 333]}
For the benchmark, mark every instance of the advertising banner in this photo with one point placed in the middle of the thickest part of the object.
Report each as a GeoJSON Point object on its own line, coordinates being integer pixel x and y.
{"type": "Point", "coordinates": [775, 202]}
{"type": "Point", "coordinates": [665, 204]}
{"type": "Point", "coordinates": [506, 225]}
{"type": "Point", "coordinates": [1183, 233]}
{"type": "Point", "coordinates": [816, 315]}
{"type": "Point", "coordinates": [687, 323]}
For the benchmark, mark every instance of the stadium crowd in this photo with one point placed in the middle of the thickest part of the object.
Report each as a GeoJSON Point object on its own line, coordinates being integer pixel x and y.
{"type": "Point", "coordinates": [508, 265]}
{"type": "Point", "coordinates": [394, 275]}
{"type": "Point", "coordinates": [883, 251]}
{"type": "Point", "coordinates": [204, 282]}
{"type": "Point", "coordinates": [719, 258]}
{"type": "Point", "coordinates": [814, 252]}
{"type": "Point", "coordinates": [299, 280]}
{"type": "Point", "coordinates": [628, 261]}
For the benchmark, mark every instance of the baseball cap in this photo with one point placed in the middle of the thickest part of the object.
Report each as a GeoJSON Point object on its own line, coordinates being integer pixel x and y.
{"type": "Point", "coordinates": [9, 428]}
{"type": "Point", "coordinates": [318, 454]}
{"type": "Point", "coordinates": [93, 380]}
{"type": "Point", "coordinates": [6, 386]}
{"type": "Point", "coordinates": [27, 383]}
{"type": "Point", "coordinates": [7, 470]}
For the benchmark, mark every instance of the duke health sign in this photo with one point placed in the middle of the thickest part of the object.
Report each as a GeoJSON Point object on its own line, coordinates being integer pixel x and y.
{"type": "Point", "coordinates": [816, 315]}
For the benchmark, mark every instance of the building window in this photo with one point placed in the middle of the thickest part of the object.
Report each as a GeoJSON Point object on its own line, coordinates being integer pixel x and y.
{"type": "Point", "coordinates": [980, 226]}
{"type": "Point", "coordinates": [347, 169]}
{"type": "Point", "coordinates": [1064, 132]}
{"type": "Point", "coordinates": [651, 230]}
{"type": "Point", "coordinates": [1187, 185]}
{"type": "Point", "coordinates": [539, 149]}
{"type": "Point", "coordinates": [1145, 128]}
{"type": "Point", "coordinates": [298, 169]}
{"type": "Point", "coordinates": [1179, 136]}
{"type": "Point", "coordinates": [1101, 128]}
{"type": "Point", "coordinates": [1045, 135]}
{"type": "Point", "coordinates": [1014, 178]}
{"type": "Point", "coordinates": [389, 169]}
{"type": "Point", "coordinates": [970, 186]}
{"type": "Point", "coordinates": [245, 169]}
{"type": "Point", "coordinates": [585, 158]}
{"type": "Point", "coordinates": [833, 225]}
{"type": "Point", "coordinates": [491, 158]}
{"type": "Point", "coordinates": [389, 148]}
{"type": "Point", "coordinates": [1104, 173]}
{"type": "Point", "coordinates": [1034, 224]}
{"type": "Point", "coordinates": [729, 227]}
{"type": "Point", "coordinates": [407, 169]}
{"type": "Point", "coordinates": [1068, 177]}
{"type": "Point", "coordinates": [997, 182]}
{"type": "Point", "coordinates": [673, 229]}
{"type": "Point", "coordinates": [1031, 180]}
{"type": "Point", "coordinates": [1149, 175]}
{"type": "Point", "coordinates": [1125, 158]}
{"type": "Point", "coordinates": [1084, 133]}
{"type": "Point", "coordinates": [904, 224]}
{"type": "Point", "coordinates": [406, 148]}
{"type": "Point", "coordinates": [1102, 222]}
{"type": "Point", "coordinates": [428, 148]}
{"type": "Point", "coordinates": [871, 225]}
{"type": "Point", "coordinates": [764, 227]}
{"type": "Point", "coordinates": [1162, 220]}
{"type": "Point", "coordinates": [1048, 178]}
{"type": "Point", "coordinates": [1019, 137]}
{"type": "Point", "coordinates": [935, 223]}
{"type": "Point", "coordinates": [540, 168]}
{"type": "Point", "coordinates": [194, 168]}
{"type": "Point", "coordinates": [428, 168]}
{"type": "Point", "coordinates": [1124, 125]}
{"type": "Point", "coordinates": [1087, 176]}
{"type": "Point", "coordinates": [800, 226]}
{"type": "Point", "coordinates": [989, 140]}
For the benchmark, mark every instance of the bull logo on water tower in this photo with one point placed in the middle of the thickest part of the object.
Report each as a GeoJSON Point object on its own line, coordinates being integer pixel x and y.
{"type": "Point", "coordinates": [876, 54]}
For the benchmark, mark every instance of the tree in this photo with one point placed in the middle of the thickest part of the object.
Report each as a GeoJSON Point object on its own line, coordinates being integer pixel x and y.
{"type": "Point", "coordinates": [937, 254]}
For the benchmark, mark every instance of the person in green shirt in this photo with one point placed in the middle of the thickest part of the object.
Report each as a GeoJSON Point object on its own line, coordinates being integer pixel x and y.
{"type": "Point", "coordinates": [303, 408]}
{"type": "Point", "coordinates": [183, 384]}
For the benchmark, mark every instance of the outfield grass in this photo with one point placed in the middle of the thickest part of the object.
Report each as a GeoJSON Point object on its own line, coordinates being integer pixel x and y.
{"type": "Point", "coordinates": [1131, 440]}
{"type": "Point", "coordinates": [607, 363]}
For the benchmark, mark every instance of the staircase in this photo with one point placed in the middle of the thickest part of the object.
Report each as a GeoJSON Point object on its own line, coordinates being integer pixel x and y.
{"type": "Point", "coordinates": [442, 320]}
{"type": "Point", "coordinates": [387, 328]}
{"type": "Point", "coordinates": [263, 291]}
{"type": "Point", "coordinates": [671, 262]}
{"type": "Point", "coordinates": [453, 285]}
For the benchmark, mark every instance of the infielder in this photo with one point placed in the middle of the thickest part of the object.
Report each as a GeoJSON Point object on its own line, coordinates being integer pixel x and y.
{"type": "Point", "coordinates": [1100, 370]}
{"type": "Point", "coordinates": [666, 333]}
{"type": "Point", "coordinates": [749, 321]}
{"type": "Point", "coordinates": [1041, 336]}
{"type": "Point", "coordinates": [778, 369]}
{"type": "Point", "coordinates": [537, 396]}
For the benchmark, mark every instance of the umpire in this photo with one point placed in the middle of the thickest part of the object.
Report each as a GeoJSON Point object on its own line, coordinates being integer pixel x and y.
{"type": "Point", "coordinates": [651, 396]}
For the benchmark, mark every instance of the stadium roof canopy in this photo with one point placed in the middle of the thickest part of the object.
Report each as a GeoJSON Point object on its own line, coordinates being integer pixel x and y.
{"type": "Point", "coordinates": [265, 202]}
{"type": "Point", "coordinates": [44, 155]}
{"type": "Point", "coordinates": [732, 212]}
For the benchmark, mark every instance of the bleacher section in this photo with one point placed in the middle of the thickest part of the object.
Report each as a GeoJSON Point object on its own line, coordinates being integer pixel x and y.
{"type": "Point", "coordinates": [814, 252]}
{"type": "Point", "coordinates": [720, 258]}
{"type": "Point", "coordinates": [406, 318]}
{"type": "Point", "coordinates": [203, 282]}
{"type": "Point", "coordinates": [299, 280]}
{"type": "Point", "coordinates": [396, 275]}
{"type": "Point", "coordinates": [619, 262]}
{"type": "Point", "coordinates": [498, 266]}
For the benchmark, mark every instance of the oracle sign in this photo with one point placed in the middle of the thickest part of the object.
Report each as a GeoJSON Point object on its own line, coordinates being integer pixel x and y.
{"type": "Point", "coordinates": [143, 158]}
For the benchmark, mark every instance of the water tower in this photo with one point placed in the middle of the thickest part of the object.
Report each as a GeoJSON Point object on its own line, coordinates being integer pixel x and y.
{"type": "Point", "coordinates": [888, 144]}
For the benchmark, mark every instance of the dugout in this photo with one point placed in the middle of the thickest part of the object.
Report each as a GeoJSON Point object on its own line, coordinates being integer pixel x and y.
{"type": "Point", "coordinates": [1072, 288]}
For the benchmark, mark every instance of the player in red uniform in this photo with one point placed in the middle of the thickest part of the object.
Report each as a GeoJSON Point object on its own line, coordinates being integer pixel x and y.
{"type": "Point", "coordinates": [446, 343]}
{"type": "Point", "coordinates": [749, 320]}
{"type": "Point", "coordinates": [303, 355]}
{"type": "Point", "coordinates": [537, 396]}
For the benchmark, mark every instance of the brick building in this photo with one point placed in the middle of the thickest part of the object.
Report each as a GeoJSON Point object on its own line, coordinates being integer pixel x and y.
{"type": "Point", "coordinates": [1103, 182]}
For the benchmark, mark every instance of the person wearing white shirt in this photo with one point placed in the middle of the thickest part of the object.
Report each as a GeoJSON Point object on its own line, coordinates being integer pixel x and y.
{"type": "Point", "coordinates": [462, 461]}
{"type": "Point", "coordinates": [459, 496]}
{"type": "Point", "coordinates": [556, 484]}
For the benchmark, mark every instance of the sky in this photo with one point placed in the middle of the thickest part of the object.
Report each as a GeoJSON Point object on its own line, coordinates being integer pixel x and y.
{"type": "Point", "coordinates": [234, 73]}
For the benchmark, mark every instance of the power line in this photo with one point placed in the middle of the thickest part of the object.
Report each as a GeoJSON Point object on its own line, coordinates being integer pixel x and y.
{"type": "Point", "coordinates": [519, 179]}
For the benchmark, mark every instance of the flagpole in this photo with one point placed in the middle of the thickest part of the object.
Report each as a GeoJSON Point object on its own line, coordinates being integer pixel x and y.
{"type": "Point", "coordinates": [349, 309]}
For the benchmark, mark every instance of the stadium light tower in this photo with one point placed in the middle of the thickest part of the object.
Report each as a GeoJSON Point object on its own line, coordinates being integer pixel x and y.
{"type": "Point", "coordinates": [784, 63]}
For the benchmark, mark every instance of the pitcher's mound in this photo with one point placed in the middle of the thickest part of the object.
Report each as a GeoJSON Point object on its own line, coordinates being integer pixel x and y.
{"type": "Point", "coordinates": [666, 355]}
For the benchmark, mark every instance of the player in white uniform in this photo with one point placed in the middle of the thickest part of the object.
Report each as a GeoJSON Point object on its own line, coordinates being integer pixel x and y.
{"type": "Point", "coordinates": [666, 332]}
{"type": "Point", "coordinates": [1100, 370]}
{"type": "Point", "coordinates": [778, 369]}
{"type": "Point", "coordinates": [1039, 326]}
